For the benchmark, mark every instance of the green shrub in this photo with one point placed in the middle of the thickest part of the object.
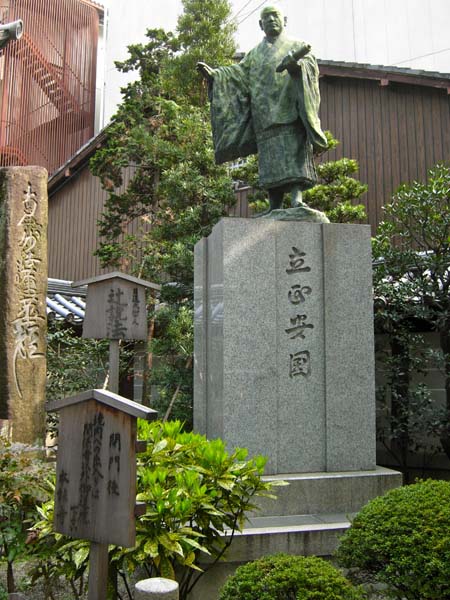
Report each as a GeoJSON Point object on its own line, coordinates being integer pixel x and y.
{"type": "Point", "coordinates": [23, 485]}
{"type": "Point", "coordinates": [403, 540]}
{"type": "Point", "coordinates": [3, 593]}
{"type": "Point", "coordinates": [285, 577]}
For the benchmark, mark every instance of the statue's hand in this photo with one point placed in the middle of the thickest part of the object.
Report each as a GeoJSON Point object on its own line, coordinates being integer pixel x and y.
{"type": "Point", "coordinates": [289, 62]}
{"type": "Point", "coordinates": [205, 70]}
{"type": "Point", "coordinates": [293, 68]}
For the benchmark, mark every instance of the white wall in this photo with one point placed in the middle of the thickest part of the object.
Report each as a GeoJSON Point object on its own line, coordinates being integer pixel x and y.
{"type": "Point", "coordinates": [127, 22]}
{"type": "Point", "coordinates": [408, 33]}
{"type": "Point", "coordinates": [405, 33]}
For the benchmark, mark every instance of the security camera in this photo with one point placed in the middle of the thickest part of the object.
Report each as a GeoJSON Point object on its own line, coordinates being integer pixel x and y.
{"type": "Point", "coordinates": [10, 31]}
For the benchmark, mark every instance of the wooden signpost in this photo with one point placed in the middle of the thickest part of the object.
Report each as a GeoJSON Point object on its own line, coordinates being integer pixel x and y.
{"type": "Point", "coordinates": [96, 461]}
{"type": "Point", "coordinates": [116, 307]}
{"type": "Point", "coordinates": [95, 497]}
{"type": "Point", "coordinates": [116, 310]}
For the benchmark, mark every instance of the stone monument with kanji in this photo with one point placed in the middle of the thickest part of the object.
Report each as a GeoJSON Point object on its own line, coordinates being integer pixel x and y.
{"type": "Point", "coordinates": [23, 288]}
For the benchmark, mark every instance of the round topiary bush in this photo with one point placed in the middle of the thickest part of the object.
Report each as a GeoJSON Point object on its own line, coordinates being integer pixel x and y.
{"type": "Point", "coordinates": [285, 577]}
{"type": "Point", "coordinates": [403, 540]}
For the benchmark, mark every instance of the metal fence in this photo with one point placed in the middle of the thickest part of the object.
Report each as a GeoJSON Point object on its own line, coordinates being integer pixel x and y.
{"type": "Point", "coordinates": [47, 82]}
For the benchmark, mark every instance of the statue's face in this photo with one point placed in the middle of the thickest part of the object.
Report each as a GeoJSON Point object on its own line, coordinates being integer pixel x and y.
{"type": "Point", "coordinates": [272, 22]}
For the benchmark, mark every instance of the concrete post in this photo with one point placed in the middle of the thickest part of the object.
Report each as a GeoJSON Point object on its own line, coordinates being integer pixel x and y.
{"type": "Point", "coordinates": [156, 588]}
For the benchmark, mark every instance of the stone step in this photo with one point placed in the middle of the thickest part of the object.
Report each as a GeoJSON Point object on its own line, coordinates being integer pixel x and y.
{"type": "Point", "coordinates": [309, 517]}
{"type": "Point", "coordinates": [326, 493]}
{"type": "Point", "coordinates": [296, 522]}
{"type": "Point", "coordinates": [312, 534]}
{"type": "Point", "coordinates": [307, 535]}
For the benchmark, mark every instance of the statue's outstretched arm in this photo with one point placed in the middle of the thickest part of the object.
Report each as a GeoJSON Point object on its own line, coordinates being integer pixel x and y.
{"type": "Point", "coordinates": [206, 71]}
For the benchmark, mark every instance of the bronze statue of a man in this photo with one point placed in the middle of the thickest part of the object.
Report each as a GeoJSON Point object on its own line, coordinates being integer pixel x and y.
{"type": "Point", "coordinates": [269, 103]}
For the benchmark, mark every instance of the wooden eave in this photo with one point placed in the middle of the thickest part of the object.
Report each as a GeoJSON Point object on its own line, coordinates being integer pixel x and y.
{"type": "Point", "coordinates": [133, 409]}
{"type": "Point", "coordinates": [384, 75]}
{"type": "Point", "coordinates": [117, 275]}
{"type": "Point", "coordinates": [76, 163]}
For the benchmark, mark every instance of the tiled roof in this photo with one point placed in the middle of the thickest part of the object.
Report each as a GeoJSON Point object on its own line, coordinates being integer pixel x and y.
{"type": "Point", "coordinates": [64, 303]}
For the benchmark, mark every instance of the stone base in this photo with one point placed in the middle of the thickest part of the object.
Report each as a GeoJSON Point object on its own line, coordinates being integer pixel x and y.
{"type": "Point", "coordinates": [308, 518]}
{"type": "Point", "coordinates": [284, 350]}
{"type": "Point", "coordinates": [156, 588]}
{"type": "Point", "coordinates": [318, 493]}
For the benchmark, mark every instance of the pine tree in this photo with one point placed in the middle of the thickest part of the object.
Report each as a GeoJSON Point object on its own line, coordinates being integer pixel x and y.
{"type": "Point", "coordinates": [177, 192]}
{"type": "Point", "coordinates": [335, 193]}
{"type": "Point", "coordinates": [204, 32]}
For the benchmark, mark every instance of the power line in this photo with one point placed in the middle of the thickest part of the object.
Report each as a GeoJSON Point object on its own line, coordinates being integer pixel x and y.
{"type": "Point", "coordinates": [240, 10]}
{"type": "Point", "coordinates": [251, 13]}
{"type": "Point", "coordinates": [353, 25]}
{"type": "Point", "coordinates": [400, 62]}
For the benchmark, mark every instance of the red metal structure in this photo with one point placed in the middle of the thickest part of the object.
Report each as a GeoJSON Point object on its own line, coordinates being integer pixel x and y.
{"type": "Point", "coordinates": [47, 81]}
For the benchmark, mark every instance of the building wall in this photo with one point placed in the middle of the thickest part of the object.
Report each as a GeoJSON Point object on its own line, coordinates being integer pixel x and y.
{"type": "Point", "coordinates": [429, 458]}
{"type": "Point", "coordinates": [396, 132]}
{"type": "Point", "coordinates": [72, 227]}
{"type": "Point", "coordinates": [127, 22]}
{"type": "Point", "coordinates": [408, 33]}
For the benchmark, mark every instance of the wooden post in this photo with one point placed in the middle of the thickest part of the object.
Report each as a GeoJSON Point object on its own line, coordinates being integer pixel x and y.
{"type": "Point", "coordinates": [98, 557]}
{"type": "Point", "coordinates": [116, 310]}
{"type": "Point", "coordinates": [113, 386]}
{"type": "Point", "coordinates": [114, 356]}
{"type": "Point", "coordinates": [98, 571]}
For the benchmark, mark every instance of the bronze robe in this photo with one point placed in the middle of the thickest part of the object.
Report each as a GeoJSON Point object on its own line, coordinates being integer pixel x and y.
{"type": "Point", "coordinates": [255, 109]}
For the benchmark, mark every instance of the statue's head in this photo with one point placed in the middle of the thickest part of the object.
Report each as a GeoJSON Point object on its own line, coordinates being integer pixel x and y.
{"type": "Point", "coordinates": [272, 21]}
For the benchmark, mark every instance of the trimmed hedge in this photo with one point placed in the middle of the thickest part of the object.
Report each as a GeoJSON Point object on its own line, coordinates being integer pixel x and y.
{"type": "Point", "coordinates": [403, 540]}
{"type": "Point", "coordinates": [285, 577]}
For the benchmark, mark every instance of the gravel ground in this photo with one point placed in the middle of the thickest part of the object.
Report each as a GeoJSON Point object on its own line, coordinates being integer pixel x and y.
{"type": "Point", "coordinates": [62, 591]}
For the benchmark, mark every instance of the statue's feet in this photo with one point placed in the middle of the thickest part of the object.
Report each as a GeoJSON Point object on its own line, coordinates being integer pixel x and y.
{"type": "Point", "coordinates": [297, 198]}
{"type": "Point", "coordinates": [299, 213]}
{"type": "Point", "coordinates": [264, 213]}
{"type": "Point", "coordinates": [297, 203]}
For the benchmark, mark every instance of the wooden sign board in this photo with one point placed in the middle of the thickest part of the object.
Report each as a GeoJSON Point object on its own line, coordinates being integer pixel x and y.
{"type": "Point", "coordinates": [95, 493]}
{"type": "Point", "coordinates": [116, 307]}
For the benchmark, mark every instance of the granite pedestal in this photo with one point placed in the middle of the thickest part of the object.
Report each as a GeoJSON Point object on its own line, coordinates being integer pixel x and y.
{"type": "Point", "coordinates": [284, 366]}
{"type": "Point", "coordinates": [284, 356]}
